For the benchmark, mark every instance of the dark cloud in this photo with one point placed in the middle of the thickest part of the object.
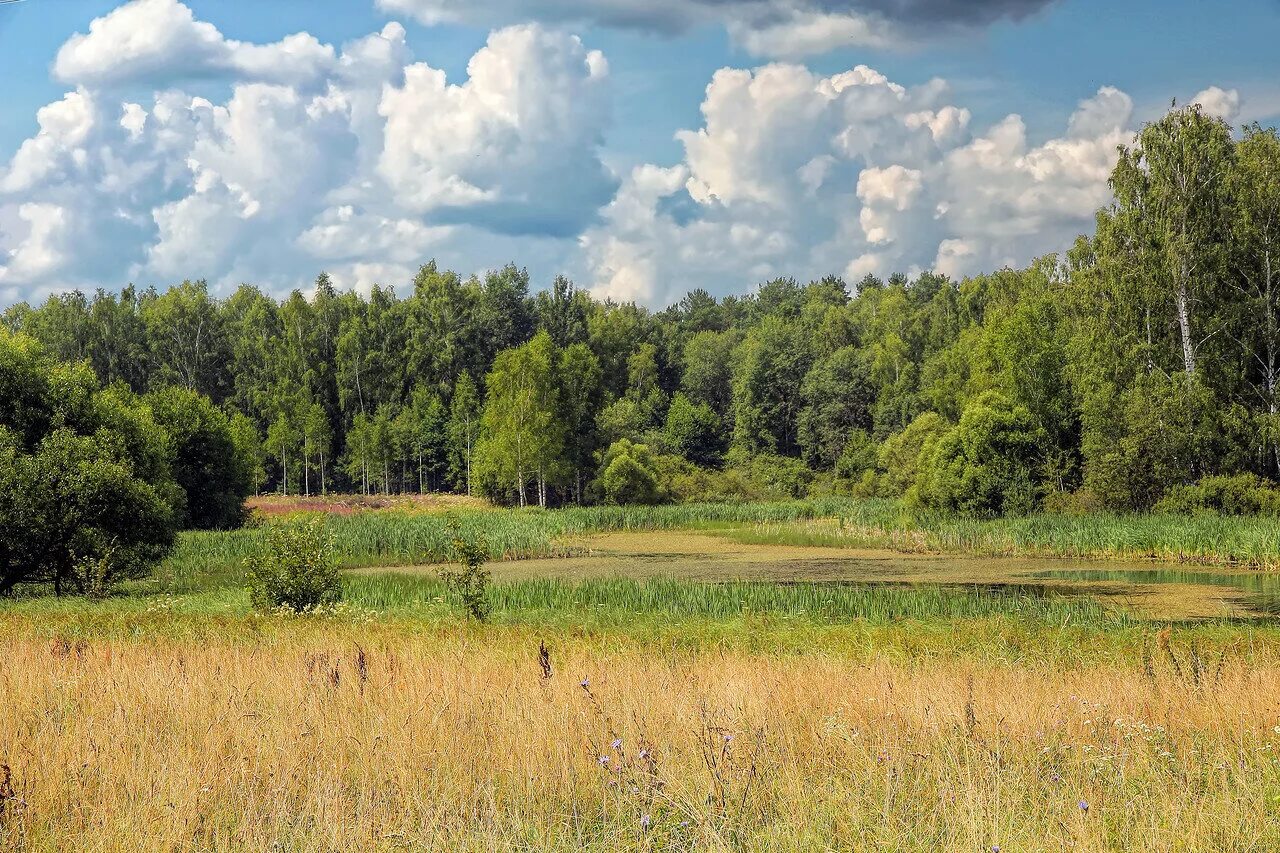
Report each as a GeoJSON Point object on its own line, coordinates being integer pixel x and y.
{"type": "Point", "coordinates": [924, 12]}
{"type": "Point", "coordinates": [675, 16]}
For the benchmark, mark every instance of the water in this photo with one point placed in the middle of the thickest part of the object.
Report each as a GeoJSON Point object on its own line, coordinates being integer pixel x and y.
{"type": "Point", "coordinates": [1261, 591]}
{"type": "Point", "coordinates": [1148, 590]}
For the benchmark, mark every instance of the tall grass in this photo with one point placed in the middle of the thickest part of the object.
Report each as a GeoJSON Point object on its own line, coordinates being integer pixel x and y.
{"type": "Point", "coordinates": [454, 740]}
{"type": "Point", "coordinates": [204, 560]}
{"type": "Point", "coordinates": [626, 600]}
{"type": "Point", "coordinates": [211, 559]}
{"type": "Point", "coordinates": [1200, 539]}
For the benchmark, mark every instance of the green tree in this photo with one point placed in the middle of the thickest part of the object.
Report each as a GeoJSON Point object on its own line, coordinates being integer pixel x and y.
{"type": "Point", "coordinates": [523, 438]}
{"type": "Point", "coordinates": [214, 477]}
{"type": "Point", "coordinates": [693, 431]}
{"type": "Point", "coordinates": [464, 430]}
{"type": "Point", "coordinates": [86, 497]}
{"type": "Point", "coordinates": [771, 367]}
{"type": "Point", "coordinates": [838, 399]}
{"type": "Point", "coordinates": [989, 464]}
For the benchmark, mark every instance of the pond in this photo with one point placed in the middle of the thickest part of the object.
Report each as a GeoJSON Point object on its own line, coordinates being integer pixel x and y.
{"type": "Point", "coordinates": [1149, 590]}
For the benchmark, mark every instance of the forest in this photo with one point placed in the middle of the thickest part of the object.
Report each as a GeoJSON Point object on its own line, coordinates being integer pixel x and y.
{"type": "Point", "coordinates": [1137, 370]}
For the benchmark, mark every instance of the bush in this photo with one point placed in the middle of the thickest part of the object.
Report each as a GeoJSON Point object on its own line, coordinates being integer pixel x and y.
{"type": "Point", "coordinates": [989, 464]}
{"type": "Point", "coordinates": [1239, 494]}
{"type": "Point", "coordinates": [629, 475]}
{"type": "Point", "coordinates": [902, 454]}
{"type": "Point", "coordinates": [295, 569]}
{"type": "Point", "coordinates": [780, 477]}
{"type": "Point", "coordinates": [1079, 503]}
{"type": "Point", "coordinates": [858, 457]}
{"type": "Point", "coordinates": [471, 584]}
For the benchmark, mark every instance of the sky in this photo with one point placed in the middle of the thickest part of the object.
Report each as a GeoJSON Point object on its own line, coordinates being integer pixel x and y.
{"type": "Point", "coordinates": [641, 147]}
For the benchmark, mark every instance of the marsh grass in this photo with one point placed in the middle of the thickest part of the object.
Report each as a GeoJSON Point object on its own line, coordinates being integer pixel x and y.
{"type": "Point", "coordinates": [621, 601]}
{"type": "Point", "coordinates": [1244, 542]}
{"type": "Point", "coordinates": [210, 559]}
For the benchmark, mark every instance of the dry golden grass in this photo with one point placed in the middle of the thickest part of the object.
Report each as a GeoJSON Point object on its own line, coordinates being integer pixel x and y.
{"type": "Point", "coordinates": [367, 738]}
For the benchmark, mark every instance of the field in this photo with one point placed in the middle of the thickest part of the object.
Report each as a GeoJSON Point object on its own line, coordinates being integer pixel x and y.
{"type": "Point", "coordinates": [710, 688]}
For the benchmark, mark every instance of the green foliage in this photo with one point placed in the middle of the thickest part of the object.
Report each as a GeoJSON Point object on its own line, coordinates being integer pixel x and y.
{"type": "Point", "coordinates": [989, 464]}
{"type": "Point", "coordinates": [779, 477]}
{"type": "Point", "coordinates": [904, 456]}
{"type": "Point", "coordinates": [770, 368]}
{"type": "Point", "coordinates": [859, 456]}
{"type": "Point", "coordinates": [86, 496]}
{"type": "Point", "coordinates": [629, 475]}
{"type": "Point", "coordinates": [693, 431]}
{"type": "Point", "coordinates": [469, 585]}
{"type": "Point", "coordinates": [1239, 494]}
{"type": "Point", "coordinates": [295, 568]}
{"type": "Point", "coordinates": [838, 399]}
{"type": "Point", "coordinates": [212, 470]}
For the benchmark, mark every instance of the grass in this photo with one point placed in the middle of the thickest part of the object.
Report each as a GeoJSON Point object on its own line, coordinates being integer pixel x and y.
{"type": "Point", "coordinates": [621, 601]}
{"type": "Point", "coordinates": [677, 716]}
{"type": "Point", "coordinates": [1201, 539]}
{"type": "Point", "coordinates": [216, 558]}
{"type": "Point", "coordinates": [313, 735]}
{"type": "Point", "coordinates": [394, 537]}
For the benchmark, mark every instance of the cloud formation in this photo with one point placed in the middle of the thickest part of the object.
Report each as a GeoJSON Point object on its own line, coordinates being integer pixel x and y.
{"type": "Point", "coordinates": [772, 28]}
{"type": "Point", "coordinates": [160, 40]}
{"type": "Point", "coordinates": [362, 161]}
{"type": "Point", "coordinates": [357, 158]}
{"type": "Point", "coordinates": [793, 173]}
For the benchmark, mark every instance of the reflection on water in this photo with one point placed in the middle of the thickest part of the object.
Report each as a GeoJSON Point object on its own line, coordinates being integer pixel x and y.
{"type": "Point", "coordinates": [1262, 591]}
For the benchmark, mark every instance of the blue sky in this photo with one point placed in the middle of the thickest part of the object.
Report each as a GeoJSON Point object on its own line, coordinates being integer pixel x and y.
{"type": "Point", "coordinates": [583, 172]}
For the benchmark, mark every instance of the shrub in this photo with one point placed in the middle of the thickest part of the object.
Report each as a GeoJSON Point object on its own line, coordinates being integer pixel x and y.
{"type": "Point", "coordinates": [629, 474]}
{"type": "Point", "coordinates": [989, 464]}
{"type": "Point", "coordinates": [295, 569]}
{"type": "Point", "coordinates": [471, 585]}
{"type": "Point", "coordinates": [858, 457]}
{"type": "Point", "coordinates": [901, 455]}
{"type": "Point", "coordinates": [1239, 494]}
{"type": "Point", "coordinates": [780, 477]}
{"type": "Point", "coordinates": [1079, 503]}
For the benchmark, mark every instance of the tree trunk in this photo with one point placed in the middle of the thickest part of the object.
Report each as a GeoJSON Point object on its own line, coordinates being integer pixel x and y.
{"type": "Point", "coordinates": [1184, 324]}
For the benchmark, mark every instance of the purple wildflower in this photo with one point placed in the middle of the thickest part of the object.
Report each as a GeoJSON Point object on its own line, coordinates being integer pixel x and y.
{"type": "Point", "coordinates": [604, 760]}
{"type": "Point", "coordinates": [586, 683]}
{"type": "Point", "coordinates": [617, 744]}
{"type": "Point", "coordinates": [1084, 807]}
{"type": "Point", "coordinates": [645, 823]}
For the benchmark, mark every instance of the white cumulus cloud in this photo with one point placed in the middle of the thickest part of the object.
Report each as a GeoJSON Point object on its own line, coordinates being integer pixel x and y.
{"type": "Point", "coordinates": [793, 173]}
{"type": "Point", "coordinates": [355, 158]}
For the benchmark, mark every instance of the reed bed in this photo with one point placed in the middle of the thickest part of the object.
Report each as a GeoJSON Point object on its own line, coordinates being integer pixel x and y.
{"type": "Point", "coordinates": [1248, 542]}
{"type": "Point", "coordinates": [622, 601]}
{"type": "Point", "coordinates": [307, 738]}
{"type": "Point", "coordinates": [388, 537]}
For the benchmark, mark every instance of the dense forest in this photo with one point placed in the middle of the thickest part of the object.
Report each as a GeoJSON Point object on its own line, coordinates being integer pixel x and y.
{"type": "Point", "coordinates": [1141, 366]}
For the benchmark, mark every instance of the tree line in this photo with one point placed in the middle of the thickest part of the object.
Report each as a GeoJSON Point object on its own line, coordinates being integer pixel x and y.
{"type": "Point", "coordinates": [1144, 360]}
